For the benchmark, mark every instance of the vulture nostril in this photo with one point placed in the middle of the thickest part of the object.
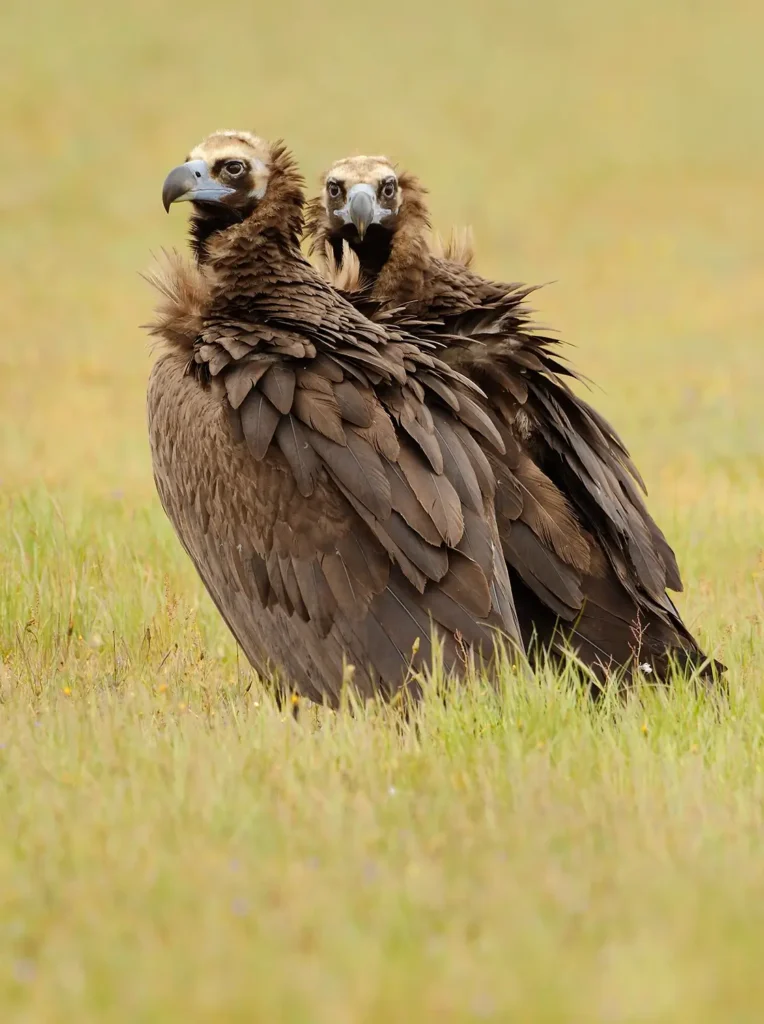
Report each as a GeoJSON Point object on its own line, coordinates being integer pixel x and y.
{"type": "Point", "coordinates": [198, 174]}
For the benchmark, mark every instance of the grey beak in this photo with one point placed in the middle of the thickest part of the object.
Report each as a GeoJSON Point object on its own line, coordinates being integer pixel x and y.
{"type": "Point", "coordinates": [191, 182]}
{"type": "Point", "coordinates": [361, 207]}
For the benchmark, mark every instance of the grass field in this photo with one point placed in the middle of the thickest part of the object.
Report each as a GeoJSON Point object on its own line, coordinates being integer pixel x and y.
{"type": "Point", "coordinates": [173, 848]}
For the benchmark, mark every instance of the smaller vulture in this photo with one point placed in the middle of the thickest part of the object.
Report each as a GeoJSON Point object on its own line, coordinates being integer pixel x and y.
{"type": "Point", "coordinates": [326, 473]}
{"type": "Point", "coordinates": [588, 565]}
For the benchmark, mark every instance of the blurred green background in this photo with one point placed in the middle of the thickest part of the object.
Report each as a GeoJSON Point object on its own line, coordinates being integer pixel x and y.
{"type": "Point", "coordinates": [534, 860]}
{"type": "Point", "coordinates": [614, 148]}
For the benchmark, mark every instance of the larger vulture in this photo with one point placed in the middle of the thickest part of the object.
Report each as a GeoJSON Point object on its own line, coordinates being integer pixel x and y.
{"type": "Point", "coordinates": [588, 565]}
{"type": "Point", "coordinates": [326, 474]}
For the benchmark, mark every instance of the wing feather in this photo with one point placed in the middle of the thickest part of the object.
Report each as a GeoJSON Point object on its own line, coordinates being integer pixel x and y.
{"type": "Point", "coordinates": [259, 420]}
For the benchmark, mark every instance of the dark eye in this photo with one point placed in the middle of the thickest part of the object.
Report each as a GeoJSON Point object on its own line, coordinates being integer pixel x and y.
{"type": "Point", "coordinates": [333, 190]}
{"type": "Point", "coordinates": [389, 188]}
{"type": "Point", "coordinates": [234, 168]}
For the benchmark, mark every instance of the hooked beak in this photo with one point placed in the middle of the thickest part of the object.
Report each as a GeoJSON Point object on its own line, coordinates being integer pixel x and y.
{"type": "Point", "coordinates": [191, 182]}
{"type": "Point", "coordinates": [362, 206]}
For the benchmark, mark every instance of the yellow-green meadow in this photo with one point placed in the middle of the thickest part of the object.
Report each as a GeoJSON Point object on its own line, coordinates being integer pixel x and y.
{"type": "Point", "coordinates": [175, 847]}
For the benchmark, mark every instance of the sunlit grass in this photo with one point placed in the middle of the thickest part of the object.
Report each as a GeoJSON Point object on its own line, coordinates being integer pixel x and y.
{"type": "Point", "coordinates": [176, 847]}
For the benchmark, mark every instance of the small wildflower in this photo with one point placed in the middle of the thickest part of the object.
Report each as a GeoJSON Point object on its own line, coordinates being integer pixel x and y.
{"type": "Point", "coordinates": [67, 691]}
{"type": "Point", "coordinates": [391, 791]}
{"type": "Point", "coordinates": [257, 704]}
{"type": "Point", "coordinates": [162, 688]}
{"type": "Point", "coordinates": [647, 669]}
{"type": "Point", "coordinates": [644, 728]}
{"type": "Point", "coordinates": [295, 699]}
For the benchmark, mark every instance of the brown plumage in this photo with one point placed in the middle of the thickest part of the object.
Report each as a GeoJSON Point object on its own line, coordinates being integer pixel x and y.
{"type": "Point", "coordinates": [299, 448]}
{"type": "Point", "coordinates": [588, 566]}
{"type": "Point", "coordinates": [397, 255]}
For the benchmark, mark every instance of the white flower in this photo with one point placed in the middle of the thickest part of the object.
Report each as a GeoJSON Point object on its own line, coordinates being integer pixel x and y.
{"type": "Point", "coordinates": [647, 669]}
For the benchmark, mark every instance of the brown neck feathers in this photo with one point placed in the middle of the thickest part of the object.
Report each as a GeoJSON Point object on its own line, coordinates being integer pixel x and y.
{"type": "Point", "coordinates": [403, 278]}
{"type": "Point", "coordinates": [237, 251]}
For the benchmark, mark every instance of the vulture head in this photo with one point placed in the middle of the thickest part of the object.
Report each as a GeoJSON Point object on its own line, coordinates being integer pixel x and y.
{"type": "Point", "coordinates": [372, 207]}
{"type": "Point", "coordinates": [228, 170]}
{"type": "Point", "coordinates": [362, 194]}
{"type": "Point", "coordinates": [226, 178]}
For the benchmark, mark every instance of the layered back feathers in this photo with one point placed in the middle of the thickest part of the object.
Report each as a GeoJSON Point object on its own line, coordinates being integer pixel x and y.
{"type": "Point", "coordinates": [588, 563]}
{"type": "Point", "coordinates": [326, 472]}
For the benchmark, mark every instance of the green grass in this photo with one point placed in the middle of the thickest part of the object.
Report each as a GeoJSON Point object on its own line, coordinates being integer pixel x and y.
{"type": "Point", "coordinates": [176, 849]}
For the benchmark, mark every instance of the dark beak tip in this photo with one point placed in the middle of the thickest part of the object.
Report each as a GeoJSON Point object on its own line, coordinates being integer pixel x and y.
{"type": "Point", "coordinates": [361, 214]}
{"type": "Point", "coordinates": [177, 183]}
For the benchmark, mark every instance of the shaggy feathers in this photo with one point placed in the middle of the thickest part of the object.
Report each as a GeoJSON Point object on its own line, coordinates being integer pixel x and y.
{"type": "Point", "coordinates": [184, 292]}
{"type": "Point", "coordinates": [300, 462]}
{"type": "Point", "coordinates": [589, 567]}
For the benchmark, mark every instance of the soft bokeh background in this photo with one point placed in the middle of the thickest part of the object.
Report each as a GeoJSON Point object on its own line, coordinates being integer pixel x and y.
{"type": "Point", "coordinates": [615, 148]}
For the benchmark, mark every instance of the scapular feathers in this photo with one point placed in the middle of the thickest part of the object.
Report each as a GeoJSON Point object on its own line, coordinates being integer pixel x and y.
{"type": "Point", "coordinates": [328, 474]}
{"type": "Point", "coordinates": [588, 565]}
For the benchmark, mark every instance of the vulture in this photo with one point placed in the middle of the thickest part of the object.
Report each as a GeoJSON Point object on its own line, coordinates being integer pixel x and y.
{"type": "Point", "coordinates": [588, 566]}
{"type": "Point", "coordinates": [327, 473]}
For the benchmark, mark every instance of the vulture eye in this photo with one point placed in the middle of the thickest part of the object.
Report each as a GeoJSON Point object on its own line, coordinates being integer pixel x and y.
{"type": "Point", "coordinates": [389, 188]}
{"type": "Point", "coordinates": [333, 189]}
{"type": "Point", "coordinates": [234, 168]}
